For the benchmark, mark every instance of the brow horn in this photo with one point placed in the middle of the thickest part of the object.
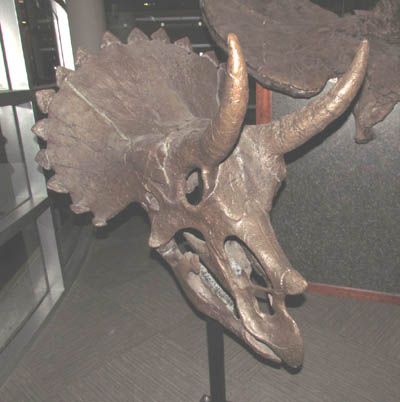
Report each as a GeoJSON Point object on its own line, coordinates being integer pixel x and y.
{"type": "Point", "coordinates": [224, 130]}
{"type": "Point", "coordinates": [296, 128]}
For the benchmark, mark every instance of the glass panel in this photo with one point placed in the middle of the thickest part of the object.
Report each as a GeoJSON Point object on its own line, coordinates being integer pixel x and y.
{"type": "Point", "coordinates": [63, 36]}
{"type": "Point", "coordinates": [12, 45]}
{"type": "Point", "coordinates": [3, 70]}
{"type": "Point", "coordinates": [14, 185]}
{"type": "Point", "coordinates": [30, 145]}
{"type": "Point", "coordinates": [23, 281]}
{"type": "Point", "coordinates": [38, 40]}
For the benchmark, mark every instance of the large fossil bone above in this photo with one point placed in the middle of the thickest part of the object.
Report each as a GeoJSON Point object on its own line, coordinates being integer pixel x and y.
{"type": "Point", "coordinates": [295, 47]}
{"type": "Point", "coordinates": [154, 123]}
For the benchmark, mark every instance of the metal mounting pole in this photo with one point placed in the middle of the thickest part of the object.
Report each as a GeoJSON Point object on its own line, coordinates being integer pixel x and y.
{"type": "Point", "coordinates": [216, 366]}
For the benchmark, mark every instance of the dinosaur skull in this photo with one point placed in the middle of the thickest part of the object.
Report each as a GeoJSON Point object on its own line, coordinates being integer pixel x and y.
{"type": "Point", "coordinates": [206, 182]}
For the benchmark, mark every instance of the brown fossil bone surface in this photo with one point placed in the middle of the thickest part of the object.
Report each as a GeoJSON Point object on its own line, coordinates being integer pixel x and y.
{"type": "Point", "coordinates": [154, 123]}
{"type": "Point", "coordinates": [295, 47]}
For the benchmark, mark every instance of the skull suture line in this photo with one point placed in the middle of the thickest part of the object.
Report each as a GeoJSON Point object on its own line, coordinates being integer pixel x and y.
{"type": "Point", "coordinates": [149, 122]}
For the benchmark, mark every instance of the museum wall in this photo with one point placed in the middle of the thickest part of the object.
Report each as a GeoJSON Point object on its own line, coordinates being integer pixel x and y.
{"type": "Point", "coordinates": [337, 216]}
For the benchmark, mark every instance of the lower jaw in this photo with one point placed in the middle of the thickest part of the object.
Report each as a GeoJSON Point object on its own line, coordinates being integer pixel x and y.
{"type": "Point", "coordinates": [262, 349]}
{"type": "Point", "coordinates": [293, 355]}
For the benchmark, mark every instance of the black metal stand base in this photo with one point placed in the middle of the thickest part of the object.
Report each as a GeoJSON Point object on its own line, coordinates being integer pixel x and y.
{"type": "Point", "coordinates": [215, 344]}
{"type": "Point", "coordinates": [206, 398]}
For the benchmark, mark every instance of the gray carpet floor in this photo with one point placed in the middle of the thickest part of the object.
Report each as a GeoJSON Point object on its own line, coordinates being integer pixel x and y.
{"type": "Point", "coordinates": [124, 332]}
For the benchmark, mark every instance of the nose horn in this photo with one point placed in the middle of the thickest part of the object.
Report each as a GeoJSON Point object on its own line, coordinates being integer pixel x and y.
{"type": "Point", "coordinates": [293, 283]}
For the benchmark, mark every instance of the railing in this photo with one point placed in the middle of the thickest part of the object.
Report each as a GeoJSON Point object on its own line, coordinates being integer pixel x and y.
{"type": "Point", "coordinates": [30, 273]}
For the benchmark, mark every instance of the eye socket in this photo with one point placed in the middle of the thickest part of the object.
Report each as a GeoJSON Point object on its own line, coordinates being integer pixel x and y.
{"type": "Point", "coordinates": [194, 187]}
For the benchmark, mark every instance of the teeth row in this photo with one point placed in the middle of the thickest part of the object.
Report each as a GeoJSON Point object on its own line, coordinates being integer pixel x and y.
{"type": "Point", "coordinates": [215, 287]}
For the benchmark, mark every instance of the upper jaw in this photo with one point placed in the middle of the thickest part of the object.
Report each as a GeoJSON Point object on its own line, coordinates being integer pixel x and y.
{"type": "Point", "coordinates": [275, 337]}
{"type": "Point", "coordinates": [273, 334]}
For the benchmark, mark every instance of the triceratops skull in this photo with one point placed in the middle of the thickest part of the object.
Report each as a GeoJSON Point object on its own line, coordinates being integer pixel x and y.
{"type": "Point", "coordinates": [152, 122]}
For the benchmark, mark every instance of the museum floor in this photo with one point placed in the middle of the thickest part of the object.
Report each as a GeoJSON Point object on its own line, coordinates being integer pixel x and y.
{"type": "Point", "coordinates": [124, 332]}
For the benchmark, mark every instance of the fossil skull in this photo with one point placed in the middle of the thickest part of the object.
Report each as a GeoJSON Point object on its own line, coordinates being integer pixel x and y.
{"type": "Point", "coordinates": [154, 123]}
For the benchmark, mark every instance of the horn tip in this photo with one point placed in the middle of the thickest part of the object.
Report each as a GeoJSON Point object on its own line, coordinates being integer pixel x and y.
{"type": "Point", "coordinates": [236, 60]}
{"type": "Point", "coordinates": [360, 60]}
{"type": "Point", "coordinates": [232, 40]}
{"type": "Point", "coordinates": [364, 46]}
